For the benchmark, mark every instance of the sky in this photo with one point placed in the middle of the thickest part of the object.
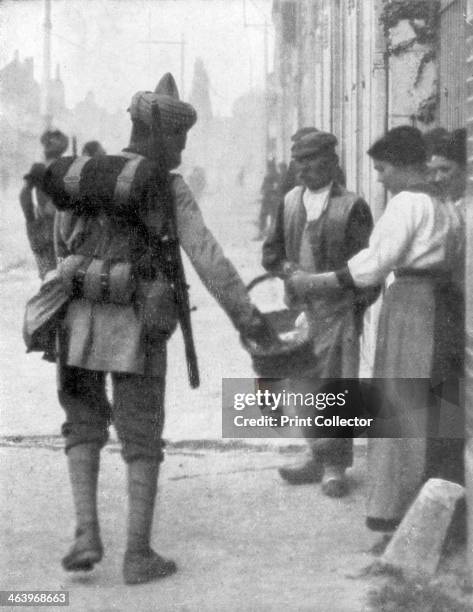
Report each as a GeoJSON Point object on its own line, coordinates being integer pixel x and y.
{"type": "Point", "coordinates": [101, 45]}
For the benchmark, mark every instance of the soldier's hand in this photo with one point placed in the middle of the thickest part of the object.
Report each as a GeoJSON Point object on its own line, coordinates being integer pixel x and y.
{"type": "Point", "coordinates": [259, 331]}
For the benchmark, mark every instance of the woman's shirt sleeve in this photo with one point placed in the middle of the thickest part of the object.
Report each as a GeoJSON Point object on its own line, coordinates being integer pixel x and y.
{"type": "Point", "coordinates": [390, 241]}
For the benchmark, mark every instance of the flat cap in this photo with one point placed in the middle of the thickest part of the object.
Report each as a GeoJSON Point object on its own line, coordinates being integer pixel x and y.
{"type": "Point", "coordinates": [302, 132]}
{"type": "Point", "coordinates": [314, 144]}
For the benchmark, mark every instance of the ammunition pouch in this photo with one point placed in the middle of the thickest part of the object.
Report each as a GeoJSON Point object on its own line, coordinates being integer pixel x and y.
{"type": "Point", "coordinates": [156, 302]}
{"type": "Point", "coordinates": [98, 280]}
{"type": "Point", "coordinates": [111, 282]}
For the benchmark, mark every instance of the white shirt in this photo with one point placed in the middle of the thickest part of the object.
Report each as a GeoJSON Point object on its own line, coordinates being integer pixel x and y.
{"type": "Point", "coordinates": [315, 202]}
{"type": "Point", "coordinates": [413, 232]}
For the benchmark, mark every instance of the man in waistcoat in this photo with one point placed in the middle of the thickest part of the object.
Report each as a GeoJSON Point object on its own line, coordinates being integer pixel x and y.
{"type": "Point", "coordinates": [121, 336]}
{"type": "Point", "coordinates": [319, 226]}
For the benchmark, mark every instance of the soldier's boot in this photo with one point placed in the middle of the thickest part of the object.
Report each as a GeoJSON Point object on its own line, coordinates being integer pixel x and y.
{"type": "Point", "coordinates": [141, 563]}
{"type": "Point", "coordinates": [83, 463]}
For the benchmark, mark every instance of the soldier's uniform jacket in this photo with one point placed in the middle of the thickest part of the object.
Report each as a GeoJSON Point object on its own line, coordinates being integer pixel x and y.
{"type": "Point", "coordinates": [115, 337]}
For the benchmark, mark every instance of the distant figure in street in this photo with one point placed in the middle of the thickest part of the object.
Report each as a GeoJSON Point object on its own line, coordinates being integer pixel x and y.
{"type": "Point", "coordinates": [282, 170]}
{"type": "Point", "coordinates": [37, 207]}
{"type": "Point", "coordinates": [269, 198]}
{"type": "Point", "coordinates": [197, 182]}
{"type": "Point", "coordinates": [319, 226]}
{"type": "Point", "coordinates": [241, 177]}
{"type": "Point", "coordinates": [93, 148]}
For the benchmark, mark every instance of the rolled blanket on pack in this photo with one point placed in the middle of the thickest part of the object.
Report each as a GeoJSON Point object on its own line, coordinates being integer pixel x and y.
{"type": "Point", "coordinates": [110, 184]}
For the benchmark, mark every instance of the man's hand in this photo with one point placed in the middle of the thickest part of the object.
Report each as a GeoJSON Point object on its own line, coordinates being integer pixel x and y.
{"type": "Point", "coordinates": [299, 285]}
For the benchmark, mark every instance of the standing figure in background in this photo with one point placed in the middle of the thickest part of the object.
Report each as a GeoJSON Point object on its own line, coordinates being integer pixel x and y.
{"type": "Point", "coordinates": [319, 226]}
{"type": "Point", "coordinates": [447, 165]}
{"type": "Point", "coordinates": [447, 171]}
{"type": "Point", "coordinates": [240, 178]}
{"type": "Point", "coordinates": [282, 171]}
{"type": "Point", "coordinates": [269, 198]}
{"type": "Point", "coordinates": [37, 206]}
{"type": "Point", "coordinates": [93, 148]}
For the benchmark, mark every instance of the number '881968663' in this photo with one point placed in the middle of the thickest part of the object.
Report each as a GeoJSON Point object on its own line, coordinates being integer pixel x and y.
{"type": "Point", "coordinates": [34, 598]}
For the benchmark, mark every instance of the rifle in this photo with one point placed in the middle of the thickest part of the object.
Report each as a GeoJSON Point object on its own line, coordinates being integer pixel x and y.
{"type": "Point", "coordinates": [173, 261]}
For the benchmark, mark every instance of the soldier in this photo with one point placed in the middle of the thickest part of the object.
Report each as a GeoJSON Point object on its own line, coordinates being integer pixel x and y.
{"type": "Point", "coordinates": [124, 331]}
{"type": "Point", "coordinates": [93, 148]}
{"type": "Point", "coordinates": [38, 209]}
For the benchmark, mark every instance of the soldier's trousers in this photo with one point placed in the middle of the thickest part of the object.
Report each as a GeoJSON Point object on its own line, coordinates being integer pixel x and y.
{"type": "Point", "coordinates": [137, 411]}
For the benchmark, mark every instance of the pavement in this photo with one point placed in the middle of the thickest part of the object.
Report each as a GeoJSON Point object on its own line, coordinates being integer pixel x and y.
{"type": "Point", "coordinates": [243, 540]}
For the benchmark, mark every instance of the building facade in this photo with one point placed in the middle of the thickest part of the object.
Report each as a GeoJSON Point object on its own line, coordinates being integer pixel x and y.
{"type": "Point", "coordinates": [468, 105]}
{"type": "Point", "coordinates": [352, 68]}
{"type": "Point", "coordinates": [359, 67]}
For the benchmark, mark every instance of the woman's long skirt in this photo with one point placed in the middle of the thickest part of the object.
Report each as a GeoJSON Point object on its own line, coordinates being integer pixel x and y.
{"type": "Point", "coordinates": [417, 342]}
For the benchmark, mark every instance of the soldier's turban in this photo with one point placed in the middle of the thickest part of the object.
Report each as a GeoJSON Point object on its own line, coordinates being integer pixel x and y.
{"type": "Point", "coordinates": [176, 116]}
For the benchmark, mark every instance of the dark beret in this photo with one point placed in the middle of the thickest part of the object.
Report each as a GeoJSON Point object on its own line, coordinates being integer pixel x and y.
{"type": "Point", "coordinates": [314, 144]}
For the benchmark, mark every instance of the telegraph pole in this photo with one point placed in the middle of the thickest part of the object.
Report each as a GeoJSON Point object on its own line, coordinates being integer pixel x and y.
{"type": "Point", "coordinates": [47, 28]}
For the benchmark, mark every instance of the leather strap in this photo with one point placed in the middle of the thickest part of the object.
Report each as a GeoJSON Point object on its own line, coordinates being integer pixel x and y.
{"type": "Point", "coordinates": [125, 179]}
{"type": "Point", "coordinates": [73, 175]}
{"type": "Point", "coordinates": [79, 277]}
{"type": "Point", "coordinates": [105, 280]}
